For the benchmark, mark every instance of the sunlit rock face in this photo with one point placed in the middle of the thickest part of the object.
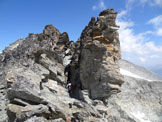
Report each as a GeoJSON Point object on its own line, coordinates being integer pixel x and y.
{"type": "Point", "coordinates": [32, 78]}
{"type": "Point", "coordinates": [34, 73]}
{"type": "Point", "coordinates": [96, 66]}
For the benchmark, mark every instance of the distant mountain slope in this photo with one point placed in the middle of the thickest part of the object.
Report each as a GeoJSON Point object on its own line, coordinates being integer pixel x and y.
{"type": "Point", "coordinates": [130, 69]}
{"type": "Point", "coordinates": [138, 101]}
{"type": "Point", "coordinates": [140, 97]}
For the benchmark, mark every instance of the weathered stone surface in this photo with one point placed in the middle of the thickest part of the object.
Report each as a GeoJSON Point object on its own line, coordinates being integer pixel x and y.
{"type": "Point", "coordinates": [25, 84]}
{"type": "Point", "coordinates": [36, 119]}
{"type": "Point", "coordinates": [53, 86]}
{"type": "Point", "coordinates": [58, 120]}
{"type": "Point", "coordinates": [3, 93]}
{"type": "Point", "coordinates": [56, 69]}
{"type": "Point", "coordinates": [51, 31]}
{"type": "Point", "coordinates": [14, 112]}
{"type": "Point", "coordinates": [40, 70]}
{"type": "Point", "coordinates": [97, 68]}
{"type": "Point", "coordinates": [20, 113]}
{"type": "Point", "coordinates": [39, 110]}
{"type": "Point", "coordinates": [57, 111]}
{"type": "Point", "coordinates": [34, 72]}
{"type": "Point", "coordinates": [84, 95]}
{"type": "Point", "coordinates": [3, 103]}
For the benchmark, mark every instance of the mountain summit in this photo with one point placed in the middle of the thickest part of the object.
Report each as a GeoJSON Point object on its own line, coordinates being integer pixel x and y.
{"type": "Point", "coordinates": [35, 72]}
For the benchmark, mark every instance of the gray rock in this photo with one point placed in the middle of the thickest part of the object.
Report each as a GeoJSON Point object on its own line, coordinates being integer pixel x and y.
{"type": "Point", "coordinates": [36, 119]}
{"type": "Point", "coordinates": [19, 102]}
{"type": "Point", "coordinates": [84, 95]}
{"type": "Point", "coordinates": [40, 70]}
{"type": "Point", "coordinates": [34, 72]}
{"type": "Point", "coordinates": [102, 109]}
{"type": "Point", "coordinates": [51, 31]}
{"type": "Point", "coordinates": [56, 69]}
{"type": "Point", "coordinates": [24, 85]}
{"type": "Point", "coordinates": [57, 111]}
{"type": "Point", "coordinates": [14, 113]}
{"type": "Point", "coordinates": [20, 113]}
{"type": "Point", "coordinates": [140, 100]}
{"type": "Point", "coordinates": [58, 120]}
{"type": "Point", "coordinates": [78, 104]}
{"type": "Point", "coordinates": [96, 67]}
{"type": "Point", "coordinates": [3, 102]}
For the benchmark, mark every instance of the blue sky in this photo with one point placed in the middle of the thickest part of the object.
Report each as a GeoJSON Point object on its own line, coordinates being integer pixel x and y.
{"type": "Point", "coordinates": [140, 23]}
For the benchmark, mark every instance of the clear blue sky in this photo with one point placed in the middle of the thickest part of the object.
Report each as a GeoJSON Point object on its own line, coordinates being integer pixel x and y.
{"type": "Point", "coordinates": [20, 17]}
{"type": "Point", "coordinates": [140, 23]}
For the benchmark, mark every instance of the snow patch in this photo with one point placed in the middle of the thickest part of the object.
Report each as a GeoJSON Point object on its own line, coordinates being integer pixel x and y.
{"type": "Point", "coordinates": [140, 116]}
{"type": "Point", "coordinates": [128, 73]}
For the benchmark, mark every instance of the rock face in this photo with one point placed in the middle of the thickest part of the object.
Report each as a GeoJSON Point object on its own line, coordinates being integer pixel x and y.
{"type": "Point", "coordinates": [95, 66]}
{"type": "Point", "coordinates": [32, 77]}
{"type": "Point", "coordinates": [34, 72]}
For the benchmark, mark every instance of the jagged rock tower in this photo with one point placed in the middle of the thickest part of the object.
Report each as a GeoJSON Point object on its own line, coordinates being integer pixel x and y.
{"type": "Point", "coordinates": [34, 72]}
{"type": "Point", "coordinates": [95, 66]}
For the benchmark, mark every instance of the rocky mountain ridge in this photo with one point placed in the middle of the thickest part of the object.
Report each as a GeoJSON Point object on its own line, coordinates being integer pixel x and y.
{"type": "Point", "coordinates": [34, 72]}
{"type": "Point", "coordinates": [129, 69]}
